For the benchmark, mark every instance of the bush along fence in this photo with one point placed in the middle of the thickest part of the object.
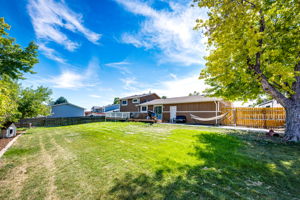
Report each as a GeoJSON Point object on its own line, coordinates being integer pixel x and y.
{"type": "Point", "coordinates": [254, 117]}
{"type": "Point", "coordinates": [61, 121]}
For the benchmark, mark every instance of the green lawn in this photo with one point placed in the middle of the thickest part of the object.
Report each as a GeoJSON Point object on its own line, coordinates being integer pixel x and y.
{"type": "Point", "coordinates": [138, 161]}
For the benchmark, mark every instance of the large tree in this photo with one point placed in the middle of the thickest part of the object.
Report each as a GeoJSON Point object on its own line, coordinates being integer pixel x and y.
{"type": "Point", "coordinates": [9, 91]}
{"type": "Point", "coordinates": [34, 102]}
{"type": "Point", "coordinates": [14, 61]}
{"type": "Point", "coordinates": [254, 49]}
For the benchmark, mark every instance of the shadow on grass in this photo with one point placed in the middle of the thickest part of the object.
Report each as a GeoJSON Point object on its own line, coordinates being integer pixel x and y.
{"type": "Point", "coordinates": [229, 171]}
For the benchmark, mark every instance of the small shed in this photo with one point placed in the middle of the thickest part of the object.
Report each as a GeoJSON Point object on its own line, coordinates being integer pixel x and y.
{"type": "Point", "coordinates": [8, 130]}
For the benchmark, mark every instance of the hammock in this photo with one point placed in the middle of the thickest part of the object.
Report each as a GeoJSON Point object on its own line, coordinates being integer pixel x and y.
{"type": "Point", "coordinates": [208, 119]}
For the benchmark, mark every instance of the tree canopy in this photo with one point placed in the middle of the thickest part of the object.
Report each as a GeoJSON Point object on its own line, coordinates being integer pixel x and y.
{"type": "Point", "coordinates": [9, 91]}
{"type": "Point", "coordinates": [61, 100]}
{"type": "Point", "coordinates": [254, 48]}
{"type": "Point", "coordinates": [14, 61]}
{"type": "Point", "coordinates": [16, 102]}
{"type": "Point", "coordinates": [195, 93]}
{"type": "Point", "coordinates": [116, 100]}
{"type": "Point", "coordinates": [34, 102]}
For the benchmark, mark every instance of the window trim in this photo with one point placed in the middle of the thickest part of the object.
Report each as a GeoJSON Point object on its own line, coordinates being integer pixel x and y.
{"type": "Point", "coordinates": [137, 100]}
{"type": "Point", "coordinates": [123, 104]}
{"type": "Point", "coordinates": [145, 110]}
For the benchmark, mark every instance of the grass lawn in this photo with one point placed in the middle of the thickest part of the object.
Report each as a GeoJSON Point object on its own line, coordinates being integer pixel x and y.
{"type": "Point", "coordinates": [112, 160]}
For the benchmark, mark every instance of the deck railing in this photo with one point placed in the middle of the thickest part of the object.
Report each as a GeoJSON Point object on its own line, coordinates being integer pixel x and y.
{"type": "Point", "coordinates": [117, 115]}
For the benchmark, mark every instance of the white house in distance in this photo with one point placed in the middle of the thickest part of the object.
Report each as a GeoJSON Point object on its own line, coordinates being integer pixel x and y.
{"type": "Point", "coordinates": [66, 110]}
{"type": "Point", "coordinates": [269, 104]}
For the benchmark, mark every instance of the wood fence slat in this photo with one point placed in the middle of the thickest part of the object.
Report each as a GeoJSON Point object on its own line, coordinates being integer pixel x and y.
{"type": "Point", "coordinates": [254, 117]}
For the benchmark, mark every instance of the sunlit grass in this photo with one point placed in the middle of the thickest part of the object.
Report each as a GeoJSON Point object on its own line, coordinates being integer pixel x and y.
{"type": "Point", "coordinates": [138, 161]}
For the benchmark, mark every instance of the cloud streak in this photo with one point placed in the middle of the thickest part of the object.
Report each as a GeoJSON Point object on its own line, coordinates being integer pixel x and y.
{"type": "Point", "coordinates": [120, 66]}
{"type": "Point", "coordinates": [71, 79]}
{"type": "Point", "coordinates": [171, 31]}
{"type": "Point", "coordinates": [130, 83]}
{"type": "Point", "coordinates": [49, 18]}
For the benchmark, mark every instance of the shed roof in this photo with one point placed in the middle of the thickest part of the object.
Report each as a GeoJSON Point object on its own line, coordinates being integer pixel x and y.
{"type": "Point", "coordinates": [179, 100]}
{"type": "Point", "coordinates": [138, 96]}
{"type": "Point", "coordinates": [61, 104]}
{"type": "Point", "coordinates": [6, 125]}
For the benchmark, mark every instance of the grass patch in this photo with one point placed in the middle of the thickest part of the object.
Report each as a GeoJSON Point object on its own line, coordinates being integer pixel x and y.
{"type": "Point", "coordinates": [111, 160]}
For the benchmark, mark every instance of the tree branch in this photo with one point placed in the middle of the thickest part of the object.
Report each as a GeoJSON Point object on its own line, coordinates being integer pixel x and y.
{"type": "Point", "coordinates": [267, 87]}
{"type": "Point", "coordinates": [256, 68]}
{"type": "Point", "coordinates": [252, 4]}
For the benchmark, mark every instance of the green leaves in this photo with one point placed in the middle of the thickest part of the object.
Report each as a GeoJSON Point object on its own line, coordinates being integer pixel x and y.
{"type": "Point", "coordinates": [34, 102]}
{"type": "Point", "coordinates": [8, 104]}
{"type": "Point", "coordinates": [242, 34]}
{"type": "Point", "coordinates": [14, 61]}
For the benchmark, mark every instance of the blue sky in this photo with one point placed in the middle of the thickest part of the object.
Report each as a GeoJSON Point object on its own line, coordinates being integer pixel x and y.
{"type": "Point", "coordinates": [92, 51]}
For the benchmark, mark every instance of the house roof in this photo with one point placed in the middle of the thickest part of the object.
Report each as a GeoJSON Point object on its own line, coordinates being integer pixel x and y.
{"type": "Point", "coordinates": [61, 104]}
{"type": "Point", "coordinates": [6, 125]}
{"type": "Point", "coordinates": [138, 96]}
{"type": "Point", "coordinates": [177, 100]}
{"type": "Point", "coordinates": [97, 107]}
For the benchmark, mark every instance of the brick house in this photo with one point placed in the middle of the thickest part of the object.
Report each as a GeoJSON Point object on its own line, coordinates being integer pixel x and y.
{"type": "Point", "coordinates": [131, 103]}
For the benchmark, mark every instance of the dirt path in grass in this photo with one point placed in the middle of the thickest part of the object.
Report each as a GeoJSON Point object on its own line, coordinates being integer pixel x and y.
{"type": "Point", "coordinates": [71, 165]}
{"type": "Point", "coordinates": [15, 179]}
{"type": "Point", "coordinates": [49, 163]}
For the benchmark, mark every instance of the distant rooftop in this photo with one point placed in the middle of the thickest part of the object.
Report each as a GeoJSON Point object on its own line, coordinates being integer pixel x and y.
{"type": "Point", "coordinates": [185, 99]}
{"type": "Point", "coordinates": [138, 96]}
{"type": "Point", "coordinates": [61, 104]}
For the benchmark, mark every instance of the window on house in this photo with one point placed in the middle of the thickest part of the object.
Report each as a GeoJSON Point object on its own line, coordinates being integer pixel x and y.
{"type": "Point", "coordinates": [144, 109]}
{"type": "Point", "coordinates": [135, 101]}
{"type": "Point", "coordinates": [124, 102]}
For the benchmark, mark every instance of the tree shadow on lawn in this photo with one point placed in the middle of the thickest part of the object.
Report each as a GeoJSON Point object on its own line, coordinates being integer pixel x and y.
{"type": "Point", "coordinates": [228, 172]}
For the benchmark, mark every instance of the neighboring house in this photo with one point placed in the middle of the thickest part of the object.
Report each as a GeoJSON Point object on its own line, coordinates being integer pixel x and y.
{"type": "Point", "coordinates": [66, 110]}
{"type": "Point", "coordinates": [112, 108]}
{"type": "Point", "coordinates": [97, 109]}
{"type": "Point", "coordinates": [269, 104]}
{"type": "Point", "coordinates": [131, 103]}
{"type": "Point", "coordinates": [92, 114]}
{"type": "Point", "coordinates": [8, 130]}
{"type": "Point", "coordinates": [201, 106]}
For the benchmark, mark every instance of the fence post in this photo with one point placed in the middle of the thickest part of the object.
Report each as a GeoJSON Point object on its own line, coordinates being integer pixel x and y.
{"type": "Point", "coordinates": [235, 113]}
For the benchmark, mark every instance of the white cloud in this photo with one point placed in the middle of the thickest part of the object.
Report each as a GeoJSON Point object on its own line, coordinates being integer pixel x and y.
{"type": "Point", "coordinates": [181, 86]}
{"type": "Point", "coordinates": [95, 96]}
{"type": "Point", "coordinates": [121, 66]}
{"type": "Point", "coordinates": [50, 53]}
{"type": "Point", "coordinates": [130, 83]}
{"type": "Point", "coordinates": [49, 17]}
{"type": "Point", "coordinates": [71, 79]}
{"type": "Point", "coordinates": [170, 31]}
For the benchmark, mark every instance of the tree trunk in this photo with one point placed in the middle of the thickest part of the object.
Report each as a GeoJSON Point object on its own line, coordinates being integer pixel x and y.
{"type": "Point", "coordinates": [292, 131]}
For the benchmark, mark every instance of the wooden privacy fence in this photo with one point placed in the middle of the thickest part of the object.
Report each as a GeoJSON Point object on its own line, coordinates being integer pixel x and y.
{"type": "Point", "coordinates": [61, 121]}
{"type": "Point", "coordinates": [254, 117]}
